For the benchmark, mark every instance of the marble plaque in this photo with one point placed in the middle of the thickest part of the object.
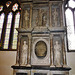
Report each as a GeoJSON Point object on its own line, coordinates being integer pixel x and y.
{"type": "Point", "coordinates": [40, 74]}
{"type": "Point", "coordinates": [40, 49]}
{"type": "Point", "coordinates": [25, 0]}
{"type": "Point", "coordinates": [21, 73]}
{"type": "Point", "coordinates": [37, 1]}
{"type": "Point", "coordinates": [58, 74]}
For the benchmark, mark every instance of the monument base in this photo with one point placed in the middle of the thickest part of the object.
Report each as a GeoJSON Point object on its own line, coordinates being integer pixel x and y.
{"type": "Point", "coordinates": [37, 70]}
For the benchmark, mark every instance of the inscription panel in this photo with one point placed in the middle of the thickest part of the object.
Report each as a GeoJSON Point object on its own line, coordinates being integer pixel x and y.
{"type": "Point", "coordinates": [40, 74]}
{"type": "Point", "coordinates": [41, 49]}
{"type": "Point", "coordinates": [58, 74]}
{"type": "Point", "coordinates": [21, 73]}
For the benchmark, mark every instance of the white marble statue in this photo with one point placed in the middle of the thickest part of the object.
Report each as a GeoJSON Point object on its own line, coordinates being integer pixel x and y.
{"type": "Point", "coordinates": [24, 54]}
{"type": "Point", "coordinates": [57, 54]}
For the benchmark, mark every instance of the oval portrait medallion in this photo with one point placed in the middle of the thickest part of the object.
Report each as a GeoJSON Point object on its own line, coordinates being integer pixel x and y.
{"type": "Point", "coordinates": [41, 49]}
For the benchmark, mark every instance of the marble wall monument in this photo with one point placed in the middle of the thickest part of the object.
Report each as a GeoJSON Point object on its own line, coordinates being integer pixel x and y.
{"type": "Point", "coordinates": [41, 48]}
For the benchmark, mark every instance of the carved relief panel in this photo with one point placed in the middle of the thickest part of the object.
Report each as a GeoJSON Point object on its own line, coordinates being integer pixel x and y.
{"type": "Point", "coordinates": [26, 15]}
{"type": "Point", "coordinates": [41, 16]}
{"type": "Point", "coordinates": [55, 14]}
{"type": "Point", "coordinates": [26, 18]}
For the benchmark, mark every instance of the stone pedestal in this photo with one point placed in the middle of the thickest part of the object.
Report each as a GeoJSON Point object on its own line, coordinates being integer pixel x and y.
{"type": "Point", "coordinates": [37, 70]}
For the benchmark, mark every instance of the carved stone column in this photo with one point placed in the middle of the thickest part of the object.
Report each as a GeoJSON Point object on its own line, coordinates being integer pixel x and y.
{"type": "Point", "coordinates": [18, 53]}
{"type": "Point", "coordinates": [30, 15]}
{"type": "Point", "coordinates": [50, 14]}
{"type": "Point", "coordinates": [29, 52]}
{"type": "Point", "coordinates": [20, 26]}
{"type": "Point", "coordinates": [17, 56]}
{"type": "Point", "coordinates": [64, 53]}
{"type": "Point", "coordinates": [51, 52]}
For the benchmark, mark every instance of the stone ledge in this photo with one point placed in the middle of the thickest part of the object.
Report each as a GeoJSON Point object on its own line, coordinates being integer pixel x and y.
{"type": "Point", "coordinates": [43, 68]}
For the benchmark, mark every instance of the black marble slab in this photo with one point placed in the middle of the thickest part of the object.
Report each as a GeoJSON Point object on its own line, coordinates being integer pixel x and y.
{"type": "Point", "coordinates": [21, 73]}
{"type": "Point", "coordinates": [42, 68]}
{"type": "Point", "coordinates": [40, 74]}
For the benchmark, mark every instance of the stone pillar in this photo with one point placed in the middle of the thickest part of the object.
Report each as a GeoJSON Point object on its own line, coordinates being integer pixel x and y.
{"type": "Point", "coordinates": [64, 52]}
{"type": "Point", "coordinates": [51, 52]}
{"type": "Point", "coordinates": [29, 52]}
{"type": "Point", "coordinates": [30, 15]}
{"type": "Point", "coordinates": [21, 18]}
{"type": "Point", "coordinates": [17, 56]}
{"type": "Point", "coordinates": [14, 72]}
{"type": "Point", "coordinates": [50, 14]}
{"type": "Point", "coordinates": [18, 53]}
